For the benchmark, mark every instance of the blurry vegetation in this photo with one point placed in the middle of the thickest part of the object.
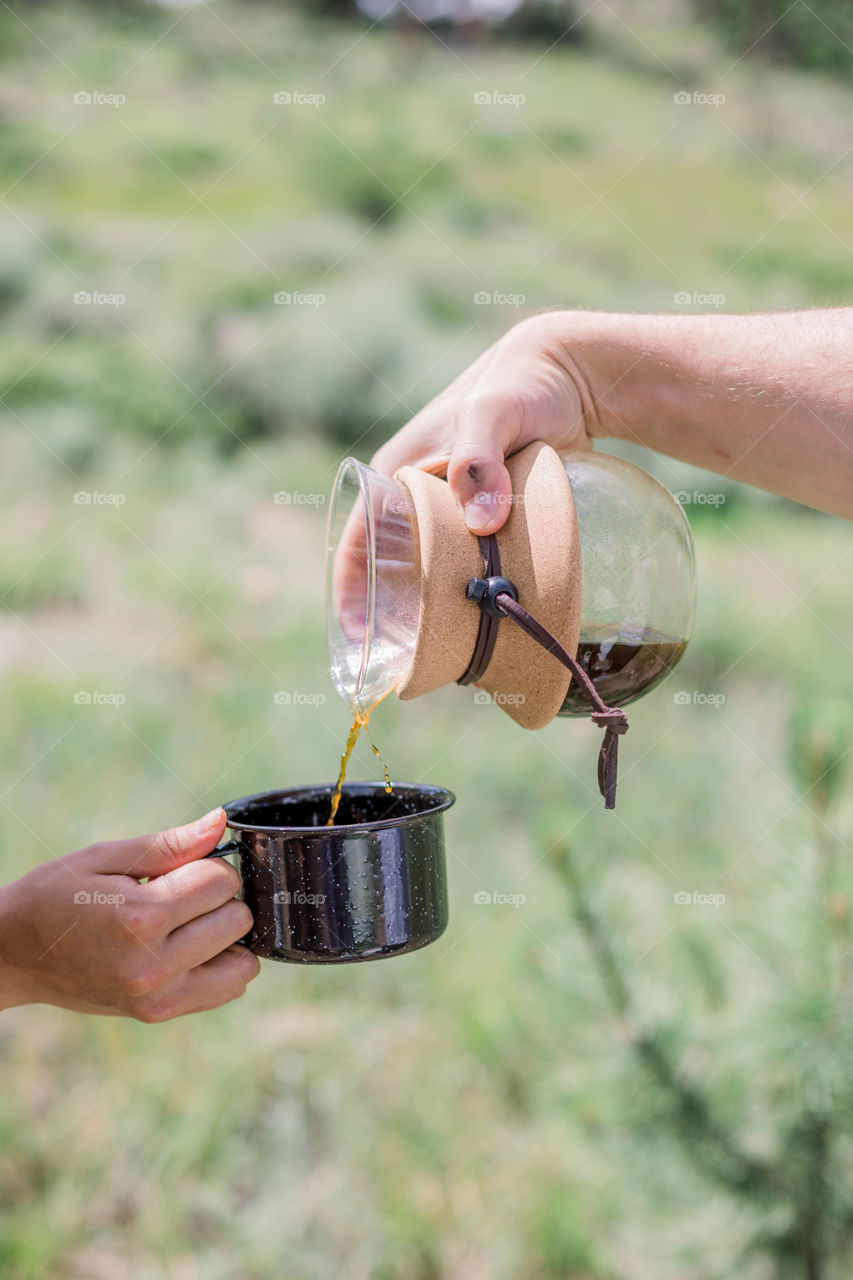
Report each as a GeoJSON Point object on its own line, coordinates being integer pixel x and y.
{"type": "Point", "coordinates": [818, 35]}
{"type": "Point", "coordinates": [614, 1081]}
{"type": "Point", "coordinates": [393, 222]}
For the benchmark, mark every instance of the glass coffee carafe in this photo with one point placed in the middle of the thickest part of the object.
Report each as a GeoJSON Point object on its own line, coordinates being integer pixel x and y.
{"type": "Point", "coordinates": [637, 584]}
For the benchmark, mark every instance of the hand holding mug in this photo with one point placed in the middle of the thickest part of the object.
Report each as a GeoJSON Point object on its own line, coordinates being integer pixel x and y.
{"type": "Point", "coordinates": [83, 933]}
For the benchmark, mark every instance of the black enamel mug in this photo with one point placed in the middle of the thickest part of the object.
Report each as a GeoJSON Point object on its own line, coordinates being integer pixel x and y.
{"type": "Point", "coordinates": [372, 885]}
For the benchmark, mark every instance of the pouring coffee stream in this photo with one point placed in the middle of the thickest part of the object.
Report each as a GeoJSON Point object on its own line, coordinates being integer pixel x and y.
{"type": "Point", "coordinates": [360, 721]}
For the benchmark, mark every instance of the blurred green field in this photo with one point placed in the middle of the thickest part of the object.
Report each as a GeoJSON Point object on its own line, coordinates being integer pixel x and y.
{"type": "Point", "coordinates": [490, 1108]}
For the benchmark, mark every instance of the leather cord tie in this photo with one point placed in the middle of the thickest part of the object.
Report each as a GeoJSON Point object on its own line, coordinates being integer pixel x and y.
{"type": "Point", "coordinates": [497, 598]}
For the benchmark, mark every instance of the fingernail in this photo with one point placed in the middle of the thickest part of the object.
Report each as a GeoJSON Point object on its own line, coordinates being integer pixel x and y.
{"type": "Point", "coordinates": [208, 822]}
{"type": "Point", "coordinates": [480, 511]}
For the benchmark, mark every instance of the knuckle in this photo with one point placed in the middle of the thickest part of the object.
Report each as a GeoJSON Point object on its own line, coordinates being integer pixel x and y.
{"type": "Point", "coordinates": [242, 917]}
{"type": "Point", "coordinates": [139, 917]}
{"type": "Point", "coordinates": [96, 850]}
{"type": "Point", "coordinates": [169, 842]}
{"type": "Point", "coordinates": [484, 402]}
{"type": "Point", "coordinates": [151, 1011]}
{"type": "Point", "coordinates": [142, 980]}
{"type": "Point", "coordinates": [247, 965]}
{"type": "Point", "coordinates": [530, 326]}
{"type": "Point", "coordinates": [229, 876]}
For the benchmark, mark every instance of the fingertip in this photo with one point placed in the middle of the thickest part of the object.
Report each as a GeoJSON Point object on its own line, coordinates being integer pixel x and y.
{"type": "Point", "coordinates": [484, 506]}
{"type": "Point", "coordinates": [247, 957]}
{"type": "Point", "coordinates": [213, 821]}
{"type": "Point", "coordinates": [483, 489]}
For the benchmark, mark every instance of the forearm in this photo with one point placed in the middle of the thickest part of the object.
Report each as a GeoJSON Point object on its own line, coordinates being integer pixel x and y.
{"type": "Point", "coordinates": [766, 399]}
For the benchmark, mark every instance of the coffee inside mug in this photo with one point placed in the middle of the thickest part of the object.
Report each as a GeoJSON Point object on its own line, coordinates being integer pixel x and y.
{"type": "Point", "coordinates": [373, 885]}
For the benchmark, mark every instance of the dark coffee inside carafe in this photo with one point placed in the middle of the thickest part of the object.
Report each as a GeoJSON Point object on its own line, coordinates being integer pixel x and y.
{"type": "Point", "coordinates": [621, 668]}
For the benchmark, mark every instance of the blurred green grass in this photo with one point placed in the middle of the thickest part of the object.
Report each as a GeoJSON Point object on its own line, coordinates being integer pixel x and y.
{"type": "Point", "coordinates": [469, 1111]}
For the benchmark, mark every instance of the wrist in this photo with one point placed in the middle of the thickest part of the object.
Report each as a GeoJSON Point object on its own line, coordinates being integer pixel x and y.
{"type": "Point", "coordinates": [15, 986]}
{"type": "Point", "coordinates": [614, 360]}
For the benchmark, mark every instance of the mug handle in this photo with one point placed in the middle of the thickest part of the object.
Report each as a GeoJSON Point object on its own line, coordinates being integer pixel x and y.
{"type": "Point", "coordinates": [233, 846]}
{"type": "Point", "coordinates": [222, 851]}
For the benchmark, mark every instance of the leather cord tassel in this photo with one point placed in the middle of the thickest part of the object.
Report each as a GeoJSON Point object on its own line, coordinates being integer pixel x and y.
{"type": "Point", "coordinates": [496, 601]}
